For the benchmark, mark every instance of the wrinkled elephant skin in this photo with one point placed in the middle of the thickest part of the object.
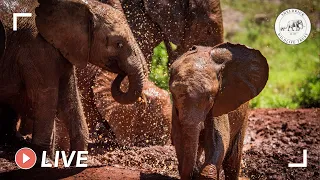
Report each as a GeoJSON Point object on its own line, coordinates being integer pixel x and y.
{"type": "Point", "coordinates": [37, 65]}
{"type": "Point", "coordinates": [189, 22]}
{"type": "Point", "coordinates": [210, 88]}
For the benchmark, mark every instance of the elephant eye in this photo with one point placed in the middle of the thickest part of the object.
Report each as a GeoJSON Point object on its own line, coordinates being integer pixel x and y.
{"type": "Point", "coordinates": [193, 48]}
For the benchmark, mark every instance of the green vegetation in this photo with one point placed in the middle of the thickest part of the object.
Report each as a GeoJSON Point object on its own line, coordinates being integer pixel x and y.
{"type": "Point", "coordinates": [159, 71]}
{"type": "Point", "coordinates": [308, 95]}
{"type": "Point", "coordinates": [294, 77]}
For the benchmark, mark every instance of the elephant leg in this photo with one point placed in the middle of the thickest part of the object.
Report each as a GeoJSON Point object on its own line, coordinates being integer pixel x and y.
{"type": "Point", "coordinates": [176, 138]}
{"type": "Point", "coordinates": [44, 110]}
{"type": "Point", "coordinates": [144, 28]}
{"type": "Point", "coordinates": [199, 153]}
{"type": "Point", "coordinates": [217, 138]}
{"type": "Point", "coordinates": [42, 94]}
{"type": "Point", "coordinates": [70, 111]}
{"type": "Point", "coordinates": [26, 126]}
{"type": "Point", "coordinates": [62, 141]}
{"type": "Point", "coordinates": [8, 120]}
{"type": "Point", "coordinates": [232, 162]}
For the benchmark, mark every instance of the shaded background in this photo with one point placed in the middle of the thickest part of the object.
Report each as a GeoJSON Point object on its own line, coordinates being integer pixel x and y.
{"type": "Point", "coordinates": [294, 78]}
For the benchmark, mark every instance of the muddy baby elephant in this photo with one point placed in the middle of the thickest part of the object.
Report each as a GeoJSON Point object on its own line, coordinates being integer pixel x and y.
{"type": "Point", "coordinates": [183, 22]}
{"type": "Point", "coordinates": [37, 74]}
{"type": "Point", "coordinates": [206, 85]}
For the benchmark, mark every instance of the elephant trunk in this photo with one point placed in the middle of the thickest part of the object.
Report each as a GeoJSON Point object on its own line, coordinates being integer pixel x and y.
{"type": "Point", "coordinates": [134, 68]}
{"type": "Point", "coordinates": [190, 135]}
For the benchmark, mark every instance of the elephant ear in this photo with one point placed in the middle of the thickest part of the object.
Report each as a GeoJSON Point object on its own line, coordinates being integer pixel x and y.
{"type": "Point", "coordinates": [2, 39]}
{"type": "Point", "coordinates": [243, 74]}
{"type": "Point", "coordinates": [170, 16]}
{"type": "Point", "coordinates": [67, 25]}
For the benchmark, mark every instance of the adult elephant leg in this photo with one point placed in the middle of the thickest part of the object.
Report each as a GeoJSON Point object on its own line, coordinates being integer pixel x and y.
{"type": "Point", "coordinates": [217, 138]}
{"type": "Point", "coordinates": [145, 30]}
{"type": "Point", "coordinates": [71, 112]}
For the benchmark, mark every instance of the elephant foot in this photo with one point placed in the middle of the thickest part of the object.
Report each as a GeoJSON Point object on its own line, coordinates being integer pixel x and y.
{"type": "Point", "coordinates": [39, 151]}
{"type": "Point", "coordinates": [39, 159]}
{"type": "Point", "coordinates": [209, 172]}
{"type": "Point", "coordinates": [16, 142]}
{"type": "Point", "coordinates": [22, 141]}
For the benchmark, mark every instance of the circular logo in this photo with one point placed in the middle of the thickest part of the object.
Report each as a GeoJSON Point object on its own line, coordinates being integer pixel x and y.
{"type": "Point", "coordinates": [292, 26]}
{"type": "Point", "coordinates": [25, 158]}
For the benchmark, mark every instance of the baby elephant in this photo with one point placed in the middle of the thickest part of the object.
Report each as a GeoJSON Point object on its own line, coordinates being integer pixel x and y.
{"type": "Point", "coordinates": [206, 85]}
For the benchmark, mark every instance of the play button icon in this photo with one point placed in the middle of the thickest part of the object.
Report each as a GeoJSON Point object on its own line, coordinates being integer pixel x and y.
{"type": "Point", "coordinates": [25, 158]}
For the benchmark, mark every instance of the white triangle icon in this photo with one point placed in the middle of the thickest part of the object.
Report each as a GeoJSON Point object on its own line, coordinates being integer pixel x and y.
{"type": "Point", "coordinates": [25, 158]}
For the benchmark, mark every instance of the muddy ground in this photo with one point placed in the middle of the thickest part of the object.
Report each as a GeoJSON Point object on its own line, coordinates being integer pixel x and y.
{"type": "Point", "coordinates": [275, 137]}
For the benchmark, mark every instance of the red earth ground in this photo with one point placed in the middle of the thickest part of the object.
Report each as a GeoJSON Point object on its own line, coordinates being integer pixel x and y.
{"type": "Point", "coordinates": [275, 137]}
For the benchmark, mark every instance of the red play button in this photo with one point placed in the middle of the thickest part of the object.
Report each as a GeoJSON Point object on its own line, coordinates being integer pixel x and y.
{"type": "Point", "coordinates": [25, 158]}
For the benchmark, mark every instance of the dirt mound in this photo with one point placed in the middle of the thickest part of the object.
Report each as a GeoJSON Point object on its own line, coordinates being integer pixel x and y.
{"type": "Point", "coordinates": [275, 137]}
